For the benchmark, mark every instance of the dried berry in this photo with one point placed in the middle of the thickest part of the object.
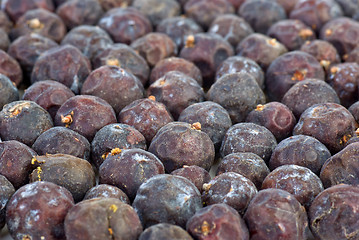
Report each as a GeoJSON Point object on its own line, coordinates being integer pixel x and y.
{"type": "Point", "coordinates": [247, 164]}
{"type": "Point", "coordinates": [178, 143]}
{"type": "Point", "coordinates": [107, 82]}
{"type": "Point", "coordinates": [73, 173]}
{"type": "Point", "coordinates": [261, 14]}
{"type": "Point", "coordinates": [27, 48]}
{"type": "Point", "coordinates": [16, 162]}
{"type": "Point", "coordinates": [62, 140]}
{"type": "Point", "coordinates": [125, 24]}
{"type": "Point", "coordinates": [175, 64]}
{"type": "Point", "coordinates": [177, 91]}
{"type": "Point", "coordinates": [230, 188]}
{"type": "Point", "coordinates": [276, 214]}
{"type": "Point", "coordinates": [330, 123]}
{"type": "Point", "coordinates": [146, 115]}
{"type": "Point", "coordinates": [306, 93]}
{"type": "Point", "coordinates": [341, 167]}
{"type": "Point", "coordinates": [37, 210]}
{"type": "Point", "coordinates": [197, 175]}
{"type": "Point", "coordinates": [42, 22]}
{"type": "Point", "coordinates": [300, 150]}
{"type": "Point", "coordinates": [288, 69]}
{"type": "Point", "coordinates": [154, 47]}
{"type": "Point", "coordinates": [123, 56]}
{"type": "Point", "coordinates": [112, 136]}
{"type": "Point", "coordinates": [261, 49]}
{"type": "Point", "coordinates": [276, 117]}
{"type": "Point", "coordinates": [90, 40]}
{"type": "Point", "coordinates": [65, 64]}
{"type": "Point", "coordinates": [163, 231]}
{"type": "Point", "coordinates": [10, 68]}
{"type": "Point", "coordinates": [85, 114]}
{"type": "Point", "coordinates": [178, 29]}
{"type": "Point", "coordinates": [214, 119]}
{"type": "Point", "coordinates": [333, 214]}
{"type": "Point", "coordinates": [8, 92]}
{"type": "Point", "coordinates": [23, 121]}
{"type": "Point", "coordinates": [102, 218]}
{"type": "Point", "coordinates": [163, 9]}
{"type": "Point", "coordinates": [6, 191]}
{"type": "Point", "coordinates": [238, 93]}
{"type": "Point", "coordinates": [248, 137]}
{"type": "Point", "coordinates": [129, 168]}
{"type": "Point", "coordinates": [48, 94]}
{"type": "Point", "coordinates": [167, 199]}
{"type": "Point", "coordinates": [217, 221]}
{"type": "Point", "coordinates": [106, 191]}
{"type": "Point", "coordinates": [78, 12]}
{"type": "Point", "coordinates": [297, 180]}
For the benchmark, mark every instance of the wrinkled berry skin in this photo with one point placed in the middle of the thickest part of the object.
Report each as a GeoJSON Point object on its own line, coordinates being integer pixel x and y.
{"type": "Point", "coordinates": [62, 140]}
{"type": "Point", "coordinates": [38, 210]}
{"type": "Point", "coordinates": [214, 119]}
{"type": "Point", "coordinates": [107, 82]}
{"type": "Point", "coordinates": [116, 135]}
{"type": "Point", "coordinates": [42, 22]}
{"type": "Point", "coordinates": [16, 8]}
{"type": "Point", "coordinates": [315, 13]}
{"type": "Point", "coordinates": [300, 150]}
{"type": "Point", "coordinates": [230, 188]}
{"type": "Point", "coordinates": [275, 116]}
{"type": "Point", "coordinates": [26, 49]}
{"type": "Point", "coordinates": [125, 25]}
{"type": "Point", "coordinates": [129, 169]}
{"type": "Point", "coordinates": [343, 33]}
{"type": "Point", "coordinates": [102, 218]}
{"type": "Point", "coordinates": [77, 12]}
{"type": "Point", "coordinates": [248, 164]}
{"type": "Point", "coordinates": [238, 93]}
{"type": "Point", "coordinates": [302, 183]}
{"type": "Point", "coordinates": [207, 52]}
{"type": "Point", "coordinates": [330, 123]}
{"type": "Point", "coordinates": [65, 64]}
{"type": "Point", "coordinates": [217, 221]}
{"type": "Point", "coordinates": [48, 94]}
{"type": "Point", "coordinates": [10, 68]}
{"type": "Point", "coordinates": [15, 162]}
{"type": "Point", "coordinates": [276, 214]}
{"type": "Point", "coordinates": [248, 137]}
{"type": "Point", "coordinates": [178, 143]}
{"type": "Point", "coordinates": [90, 40]}
{"type": "Point", "coordinates": [333, 214]}
{"type": "Point", "coordinates": [122, 55]}
{"type": "Point", "coordinates": [73, 173]}
{"type": "Point", "coordinates": [341, 167]}
{"type": "Point", "coordinates": [85, 114]}
{"type": "Point", "coordinates": [261, 49]}
{"type": "Point", "coordinates": [306, 93]}
{"type": "Point", "coordinates": [197, 175]}
{"type": "Point", "coordinates": [177, 91]}
{"type": "Point", "coordinates": [167, 199]}
{"type": "Point", "coordinates": [146, 115]}
{"type": "Point", "coordinates": [289, 69]}
{"type": "Point", "coordinates": [343, 79]}
{"type": "Point", "coordinates": [23, 121]}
